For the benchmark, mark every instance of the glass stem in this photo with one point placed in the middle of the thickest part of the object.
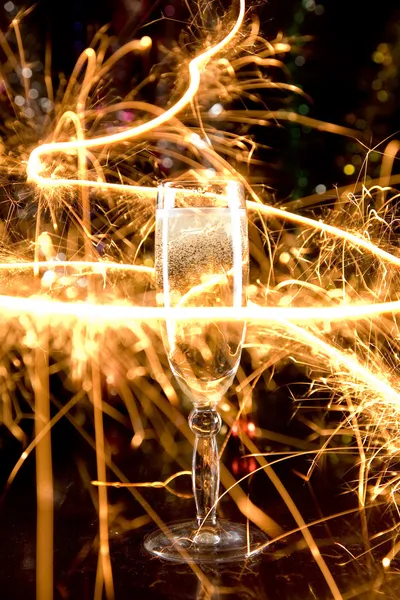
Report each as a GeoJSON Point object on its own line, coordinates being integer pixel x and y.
{"type": "Point", "coordinates": [205, 424]}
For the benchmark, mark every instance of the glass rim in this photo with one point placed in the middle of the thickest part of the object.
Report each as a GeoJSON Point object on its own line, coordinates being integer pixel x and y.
{"type": "Point", "coordinates": [188, 182]}
{"type": "Point", "coordinates": [229, 192]}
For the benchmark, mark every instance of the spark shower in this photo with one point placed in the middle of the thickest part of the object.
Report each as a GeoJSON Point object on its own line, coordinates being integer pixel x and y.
{"type": "Point", "coordinates": [80, 282]}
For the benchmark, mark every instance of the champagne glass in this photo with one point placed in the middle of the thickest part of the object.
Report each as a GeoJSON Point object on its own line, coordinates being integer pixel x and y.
{"type": "Point", "coordinates": [202, 260]}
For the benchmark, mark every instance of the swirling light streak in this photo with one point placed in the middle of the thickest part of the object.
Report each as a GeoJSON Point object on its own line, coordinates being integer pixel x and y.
{"type": "Point", "coordinates": [98, 315]}
{"type": "Point", "coordinates": [114, 313]}
{"type": "Point", "coordinates": [196, 66]}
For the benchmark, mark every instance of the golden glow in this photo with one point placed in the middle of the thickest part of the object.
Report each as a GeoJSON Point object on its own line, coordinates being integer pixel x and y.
{"type": "Point", "coordinates": [307, 313]}
{"type": "Point", "coordinates": [196, 66]}
{"type": "Point", "coordinates": [109, 314]}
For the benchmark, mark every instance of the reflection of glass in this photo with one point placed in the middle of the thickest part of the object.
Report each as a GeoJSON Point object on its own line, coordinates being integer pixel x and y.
{"type": "Point", "coordinates": [202, 261]}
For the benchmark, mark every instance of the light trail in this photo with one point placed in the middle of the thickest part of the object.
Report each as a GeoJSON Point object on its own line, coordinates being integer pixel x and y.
{"type": "Point", "coordinates": [110, 314]}
{"type": "Point", "coordinates": [355, 240]}
{"type": "Point", "coordinates": [97, 316]}
{"type": "Point", "coordinates": [196, 66]}
{"type": "Point", "coordinates": [379, 384]}
{"type": "Point", "coordinates": [77, 265]}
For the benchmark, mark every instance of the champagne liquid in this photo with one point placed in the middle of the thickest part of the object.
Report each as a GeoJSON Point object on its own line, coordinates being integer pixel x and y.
{"type": "Point", "coordinates": [202, 260]}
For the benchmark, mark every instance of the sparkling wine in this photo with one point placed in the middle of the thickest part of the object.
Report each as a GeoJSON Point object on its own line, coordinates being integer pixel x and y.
{"type": "Point", "coordinates": [202, 245]}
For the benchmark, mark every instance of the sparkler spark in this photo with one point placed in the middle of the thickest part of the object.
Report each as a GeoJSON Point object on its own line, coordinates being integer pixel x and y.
{"type": "Point", "coordinates": [196, 66]}
{"type": "Point", "coordinates": [328, 287]}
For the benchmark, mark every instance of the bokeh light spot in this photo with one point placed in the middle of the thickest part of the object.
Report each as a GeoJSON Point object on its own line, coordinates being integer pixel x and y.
{"type": "Point", "coordinates": [169, 10]}
{"type": "Point", "coordinates": [378, 57]}
{"type": "Point", "coordinates": [300, 61]}
{"type": "Point", "coordinates": [303, 181]}
{"type": "Point", "coordinates": [146, 41]}
{"type": "Point", "coordinates": [167, 162]}
{"type": "Point", "coordinates": [374, 156]}
{"type": "Point", "coordinates": [383, 96]}
{"type": "Point", "coordinates": [216, 110]}
{"type": "Point", "coordinates": [309, 5]}
{"type": "Point", "coordinates": [349, 169]}
{"type": "Point", "coordinates": [284, 258]}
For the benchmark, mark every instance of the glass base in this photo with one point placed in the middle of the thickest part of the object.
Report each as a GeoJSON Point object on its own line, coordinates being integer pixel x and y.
{"type": "Point", "coordinates": [185, 544]}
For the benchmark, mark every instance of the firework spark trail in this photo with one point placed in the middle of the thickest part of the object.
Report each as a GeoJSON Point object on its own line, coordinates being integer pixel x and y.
{"type": "Point", "coordinates": [388, 395]}
{"type": "Point", "coordinates": [325, 313]}
{"type": "Point", "coordinates": [196, 66]}
{"type": "Point", "coordinates": [354, 240]}
{"type": "Point", "coordinates": [114, 313]}
{"type": "Point", "coordinates": [104, 570]}
{"type": "Point", "coordinates": [44, 476]}
{"type": "Point", "coordinates": [99, 315]}
{"type": "Point", "coordinates": [45, 429]}
{"type": "Point", "coordinates": [137, 496]}
{"type": "Point", "coordinates": [346, 311]}
{"type": "Point", "coordinates": [104, 573]}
